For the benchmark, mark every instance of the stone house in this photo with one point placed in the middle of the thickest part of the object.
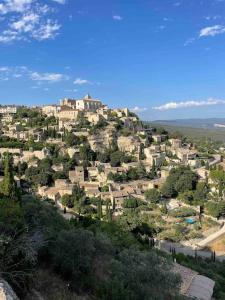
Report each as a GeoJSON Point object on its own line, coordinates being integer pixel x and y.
{"type": "Point", "coordinates": [51, 110]}
{"type": "Point", "coordinates": [175, 143]}
{"type": "Point", "coordinates": [92, 173]}
{"type": "Point", "coordinates": [77, 175]}
{"type": "Point", "coordinates": [157, 138]}
{"type": "Point", "coordinates": [154, 158]}
{"type": "Point", "coordinates": [129, 144]}
{"type": "Point", "coordinates": [116, 197]}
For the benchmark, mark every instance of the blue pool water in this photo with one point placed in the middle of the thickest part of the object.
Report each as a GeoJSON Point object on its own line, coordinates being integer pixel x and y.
{"type": "Point", "coordinates": [190, 221]}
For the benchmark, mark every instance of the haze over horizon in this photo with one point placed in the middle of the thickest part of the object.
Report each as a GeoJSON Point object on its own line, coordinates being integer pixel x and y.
{"type": "Point", "coordinates": [163, 60]}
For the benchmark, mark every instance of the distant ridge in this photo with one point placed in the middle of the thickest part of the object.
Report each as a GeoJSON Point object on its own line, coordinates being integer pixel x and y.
{"type": "Point", "coordinates": [209, 123]}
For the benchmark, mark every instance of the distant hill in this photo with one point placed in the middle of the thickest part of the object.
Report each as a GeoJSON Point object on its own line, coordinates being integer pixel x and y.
{"type": "Point", "coordinates": [211, 123]}
{"type": "Point", "coordinates": [196, 129]}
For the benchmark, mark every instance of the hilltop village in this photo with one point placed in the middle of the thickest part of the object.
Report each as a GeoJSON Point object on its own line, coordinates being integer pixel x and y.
{"type": "Point", "coordinates": [87, 159]}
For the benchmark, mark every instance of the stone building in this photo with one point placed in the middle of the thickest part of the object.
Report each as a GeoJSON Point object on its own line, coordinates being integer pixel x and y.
{"type": "Point", "coordinates": [87, 103]}
{"type": "Point", "coordinates": [76, 175]}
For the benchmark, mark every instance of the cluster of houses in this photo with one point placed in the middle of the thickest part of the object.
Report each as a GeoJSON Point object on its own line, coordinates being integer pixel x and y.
{"type": "Point", "coordinates": [148, 148]}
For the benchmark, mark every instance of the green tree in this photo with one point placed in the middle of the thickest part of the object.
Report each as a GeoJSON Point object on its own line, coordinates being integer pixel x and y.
{"type": "Point", "coordinates": [72, 254]}
{"type": "Point", "coordinates": [201, 193]}
{"type": "Point", "coordinates": [8, 186]}
{"type": "Point", "coordinates": [180, 179]}
{"type": "Point", "coordinates": [115, 158]}
{"type": "Point", "coordinates": [100, 209]}
{"type": "Point", "coordinates": [68, 201]}
{"type": "Point", "coordinates": [140, 275]}
{"type": "Point", "coordinates": [153, 195]}
{"type": "Point", "coordinates": [130, 203]}
{"type": "Point", "coordinates": [218, 176]}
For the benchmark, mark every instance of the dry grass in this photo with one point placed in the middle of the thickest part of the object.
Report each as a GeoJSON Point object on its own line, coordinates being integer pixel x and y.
{"type": "Point", "coordinates": [218, 246]}
{"type": "Point", "coordinates": [49, 286]}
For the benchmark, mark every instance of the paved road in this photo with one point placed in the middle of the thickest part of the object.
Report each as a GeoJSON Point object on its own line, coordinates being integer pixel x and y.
{"type": "Point", "coordinates": [166, 246]}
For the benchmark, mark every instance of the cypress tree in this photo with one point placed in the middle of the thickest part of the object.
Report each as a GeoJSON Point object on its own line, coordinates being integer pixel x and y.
{"type": "Point", "coordinates": [107, 210]}
{"type": "Point", "coordinates": [8, 186]}
{"type": "Point", "coordinates": [100, 209]}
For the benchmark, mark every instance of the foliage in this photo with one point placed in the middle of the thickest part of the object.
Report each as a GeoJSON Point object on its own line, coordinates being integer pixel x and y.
{"type": "Point", "coordinates": [180, 179]}
{"type": "Point", "coordinates": [8, 186]}
{"type": "Point", "coordinates": [183, 212]}
{"type": "Point", "coordinates": [116, 158]}
{"type": "Point", "coordinates": [72, 255]}
{"type": "Point", "coordinates": [218, 176]}
{"type": "Point", "coordinates": [134, 173]}
{"type": "Point", "coordinates": [130, 203]}
{"type": "Point", "coordinates": [73, 140]}
{"type": "Point", "coordinates": [215, 209]}
{"type": "Point", "coordinates": [137, 275]}
{"type": "Point", "coordinates": [153, 195]}
{"type": "Point", "coordinates": [17, 258]}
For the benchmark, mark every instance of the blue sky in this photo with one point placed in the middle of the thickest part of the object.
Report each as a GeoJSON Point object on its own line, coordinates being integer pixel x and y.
{"type": "Point", "coordinates": [163, 58]}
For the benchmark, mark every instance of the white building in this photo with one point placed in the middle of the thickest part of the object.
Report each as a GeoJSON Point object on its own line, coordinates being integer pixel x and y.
{"type": "Point", "coordinates": [51, 110]}
{"type": "Point", "coordinates": [10, 109]}
{"type": "Point", "coordinates": [87, 103]}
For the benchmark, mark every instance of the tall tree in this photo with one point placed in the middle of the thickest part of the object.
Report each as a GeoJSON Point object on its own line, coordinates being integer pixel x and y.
{"type": "Point", "coordinates": [100, 209]}
{"type": "Point", "coordinates": [8, 186]}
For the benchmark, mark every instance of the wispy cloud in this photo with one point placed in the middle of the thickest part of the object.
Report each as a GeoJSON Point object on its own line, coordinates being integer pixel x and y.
{"type": "Point", "coordinates": [50, 77]}
{"type": "Point", "coordinates": [18, 6]}
{"type": "Point", "coordinates": [138, 109]}
{"type": "Point", "coordinates": [27, 19]}
{"type": "Point", "coordinates": [212, 31]}
{"type": "Point", "coordinates": [60, 1]}
{"type": "Point", "coordinates": [22, 71]}
{"type": "Point", "coordinates": [79, 81]}
{"type": "Point", "coordinates": [190, 103]}
{"type": "Point", "coordinates": [189, 42]}
{"type": "Point", "coordinates": [49, 30]}
{"type": "Point", "coordinates": [215, 17]}
{"type": "Point", "coordinates": [117, 18]}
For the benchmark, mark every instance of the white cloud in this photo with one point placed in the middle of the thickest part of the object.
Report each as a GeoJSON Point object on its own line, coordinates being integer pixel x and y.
{"type": "Point", "coordinates": [79, 81]}
{"type": "Point", "coordinates": [18, 6]}
{"type": "Point", "coordinates": [28, 19]}
{"type": "Point", "coordinates": [216, 17]}
{"type": "Point", "coordinates": [117, 18]}
{"type": "Point", "coordinates": [47, 31]}
{"type": "Point", "coordinates": [138, 109]}
{"type": "Point", "coordinates": [26, 23]}
{"type": "Point", "coordinates": [187, 104]}
{"type": "Point", "coordinates": [50, 77]}
{"type": "Point", "coordinates": [23, 71]}
{"type": "Point", "coordinates": [4, 69]}
{"type": "Point", "coordinates": [60, 1]}
{"type": "Point", "coordinates": [8, 36]}
{"type": "Point", "coordinates": [212, 31]}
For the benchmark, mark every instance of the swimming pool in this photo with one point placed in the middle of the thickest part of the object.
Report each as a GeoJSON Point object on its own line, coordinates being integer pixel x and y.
{"type": "Point", "coordinates": [190, 221]}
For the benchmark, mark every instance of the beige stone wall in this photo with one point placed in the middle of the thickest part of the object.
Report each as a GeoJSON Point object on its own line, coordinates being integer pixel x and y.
{"type": "Point", "coordinates": [70, 114]}
{"type": "Point", "coordinates": [128, 144]}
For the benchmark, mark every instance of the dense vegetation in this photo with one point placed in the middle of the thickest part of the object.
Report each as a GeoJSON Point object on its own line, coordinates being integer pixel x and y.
{"type": "Point", "coordinates": [97, 258]}
{"type": "Point", "coordinates": [214, 270]}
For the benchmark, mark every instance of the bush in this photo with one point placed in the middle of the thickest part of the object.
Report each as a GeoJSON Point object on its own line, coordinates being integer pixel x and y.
{"type": "Point", "coordinates": [183, 212]}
